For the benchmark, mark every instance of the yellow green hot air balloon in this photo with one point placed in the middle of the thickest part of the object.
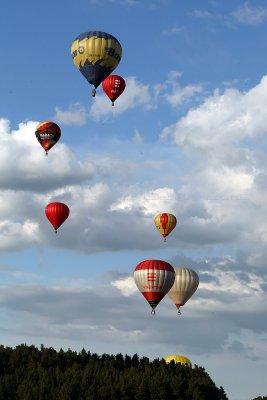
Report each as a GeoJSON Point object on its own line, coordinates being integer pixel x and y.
{"type": "Point", "coordinates": [178, 359]}
{"type": "Point", "coordinates": [96, 54]}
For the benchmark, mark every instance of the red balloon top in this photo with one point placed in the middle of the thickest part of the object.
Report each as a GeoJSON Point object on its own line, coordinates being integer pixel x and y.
{"type": "Point", "coordinates": [154, 264]}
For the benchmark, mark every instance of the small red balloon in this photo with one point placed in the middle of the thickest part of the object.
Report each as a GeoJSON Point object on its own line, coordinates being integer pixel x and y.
{"type": "Point", "coordinates": [113, 86]}
{"type": "Point", "coordinates": [57, 213]}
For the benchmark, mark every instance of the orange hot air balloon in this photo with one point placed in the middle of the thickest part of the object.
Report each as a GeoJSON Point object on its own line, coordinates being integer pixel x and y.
{"type": "Point", "coordinates": [154, 278]}
{"type": "Point", "coordinates": [165, 223]}
{"type": "Point", "coordinates": [48, 134]}
{"type": "Point", "coordinates": [57, 213]}
{"type": "Point", "coordinates": [113, 86]}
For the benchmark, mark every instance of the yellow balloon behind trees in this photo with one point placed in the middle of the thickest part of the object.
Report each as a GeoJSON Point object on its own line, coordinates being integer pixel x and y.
{"type": "Point", "coordinates": [178, 359]}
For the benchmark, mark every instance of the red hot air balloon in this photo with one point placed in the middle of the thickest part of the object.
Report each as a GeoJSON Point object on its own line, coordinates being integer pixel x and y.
{"type": "Point", "coordinates": [154, 278]}
{"type": "Point", "coordinates": [48, 134]}
{"type": "Point", "coordinates": [57, 213]}
{"type": "Point", "coordinates": [113, 86]}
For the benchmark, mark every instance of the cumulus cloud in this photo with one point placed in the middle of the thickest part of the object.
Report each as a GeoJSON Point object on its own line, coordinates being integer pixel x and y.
{"type": "Point", "coordinates": [180, 94]}
{"type": "Point", "coordinates": [74, 115]}
{"type": "Point", "coordinates": [126, 285]}
{"type": "Point", "coordinates": [24, 165]}
{"type": "Point", "coordinates": [250, 15]}
{"type": "Point", "coordinates": [136, 94]}
{"type": "Point", "coordinates": [16, 235]}
{"type": "Point", "coordinates": [223, 191]}
{"type": "Point", "coordinates": [29, 184]}
{"type": "Point", "coordinates": [222, 119]}
{"type": "Point", "coordinates": [172, 91]}
{"type": "Point", "coordinates": [149, 203]}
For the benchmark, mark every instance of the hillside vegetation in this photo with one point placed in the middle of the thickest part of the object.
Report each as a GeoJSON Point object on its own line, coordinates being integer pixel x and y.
{"type": "Point", "coordinates": [27, 373]}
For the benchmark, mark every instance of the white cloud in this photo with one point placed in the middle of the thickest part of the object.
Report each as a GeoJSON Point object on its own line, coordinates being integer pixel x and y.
{"type": "Point", "coordinates": [136, 94]}
{"type": "Point", "coordinates": [223, 192]}
{"type": "Point", "coordinates": [24, 165]}
{"type": "Point", "coordinates": [173, 92]}
{"type": "Point", "coordinates": [149, 203]}
{"type": "Point", "coordinates": [27, 184]}
{"type": "Point", "coordinates": [15, 235]}
{"type": "Point", "coordinates": [75, 115]}
{"type": "Point", "coordinates": [180, 94]}
{"type": "Point", "coordinates": [222, 119]}
{"type": "Point", "coordinates": [250, 15]}
{"type": "Point", "coordinates": [126, 285]}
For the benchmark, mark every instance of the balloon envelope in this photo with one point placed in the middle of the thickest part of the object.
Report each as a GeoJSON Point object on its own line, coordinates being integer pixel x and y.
{"type": "Point", "coordinates": [113, 86]}
{"type": "Point", "coordinates": [165, 223]}
{"type": "Point", "coordinates": [179, 359]}
{"type": "Point", "coordinates": [185, 284]}
{"type": "Point", "coordinates": [48, 134]}
{"type": "Point", "coordinates": [154, 278]}
{"type": "Point", "coordinates": [57, 213]}
{"type": "Point", "coordinates": [96, 54]}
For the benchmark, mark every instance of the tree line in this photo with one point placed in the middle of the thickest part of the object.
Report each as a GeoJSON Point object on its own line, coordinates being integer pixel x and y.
{"type": "Point", "coordinates": [29, 373]}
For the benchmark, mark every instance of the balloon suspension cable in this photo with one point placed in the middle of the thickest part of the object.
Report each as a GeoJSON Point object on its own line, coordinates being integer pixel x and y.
{"type": "Point", "coordinates": [153, 312]}
{"type": "Point", "coordinates": [93, 92]}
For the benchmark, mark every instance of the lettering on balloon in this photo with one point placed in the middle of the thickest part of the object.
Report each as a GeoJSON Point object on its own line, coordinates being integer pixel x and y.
{"type": "Point", "coordinates": [152, 284]}
{"type": "Point", "coordinates": [112, 53]}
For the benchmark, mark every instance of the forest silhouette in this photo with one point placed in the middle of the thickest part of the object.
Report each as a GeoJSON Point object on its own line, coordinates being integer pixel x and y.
{"type": "Point", "coordinates": [29, 373]}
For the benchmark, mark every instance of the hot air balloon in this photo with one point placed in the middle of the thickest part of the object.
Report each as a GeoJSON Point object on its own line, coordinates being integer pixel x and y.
{"type": "Point", "coordinates": [57, 213]}
{"type": "Point", "coordinates": [96, 54]}
{"type": "Point", "coordinates": [113, 86]}
{"type": "Point", "coordinates": [47, 133]}
{"type": "Point", "coordinates": [185, 285]}
{"type": "Point", "coordinates": [178, 359]}
{"type": "Point", "coordinates": [165, 223]}
{"type": "Point", "coordinates": [154, 278]}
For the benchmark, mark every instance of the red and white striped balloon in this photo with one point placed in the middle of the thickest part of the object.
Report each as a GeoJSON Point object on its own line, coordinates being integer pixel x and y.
{"type": "Point", "coordinates": [154, 278]}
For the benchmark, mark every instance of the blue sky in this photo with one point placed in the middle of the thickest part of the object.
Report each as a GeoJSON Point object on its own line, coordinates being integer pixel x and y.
{"type": "Point", "coordinates": [187, 136]}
